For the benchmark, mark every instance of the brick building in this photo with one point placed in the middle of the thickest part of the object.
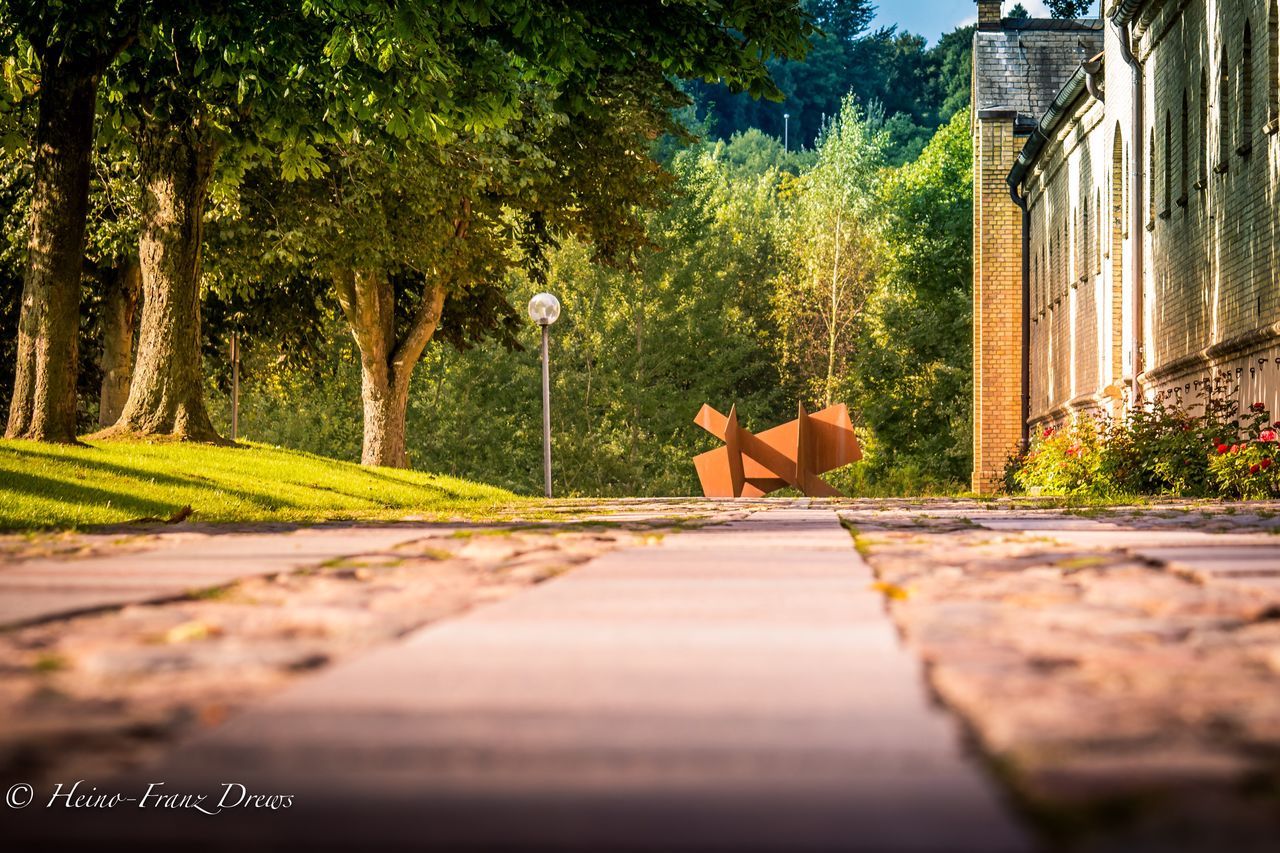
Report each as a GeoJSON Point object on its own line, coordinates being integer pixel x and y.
{"type": "Point", "coordinates": [1125, 223]}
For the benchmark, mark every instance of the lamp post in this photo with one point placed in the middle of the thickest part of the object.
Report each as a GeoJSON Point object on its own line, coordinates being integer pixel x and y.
{"type": "Point", "coordinates": [544, 309]}
{"type": "Point", "coordinates": [786, 131]}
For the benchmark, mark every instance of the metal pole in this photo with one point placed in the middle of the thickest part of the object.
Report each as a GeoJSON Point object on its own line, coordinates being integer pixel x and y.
{"type": "Point", "coordinates": [546, 409]}
{"type": "Point", "coordinates": [786, 133]}
{"type": "Point", "coordinates": [235, 385]}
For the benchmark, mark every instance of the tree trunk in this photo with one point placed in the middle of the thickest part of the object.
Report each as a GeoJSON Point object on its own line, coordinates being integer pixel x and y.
{"type": "Point", "coordinates": [119, 322]}
{"type": "Point", "coordinates": [385, 408]}
{"type": "Point", "coordinates": [44, 389]}
{"type": "Point", "coordinates": [166, 397]}
{"type": "Point", "coordinates": [368, 298]}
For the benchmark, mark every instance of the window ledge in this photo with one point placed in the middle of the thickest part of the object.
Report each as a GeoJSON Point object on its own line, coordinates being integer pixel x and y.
{"type": "Point", "coordinates": [1245, 149]}
{"type": "Point", "coordinates": [1201, 185]}
{"type": "Point", "coordinates": [1166, 213]}
{"type": "Point", "coordinates": [1221, 168]}
{"type": "Point", "coordinates": [1182, 201]}
{"type": "Point", "coordinates": [1151, 226]}
{"type": "Point", "coordinates": [1271, 127]}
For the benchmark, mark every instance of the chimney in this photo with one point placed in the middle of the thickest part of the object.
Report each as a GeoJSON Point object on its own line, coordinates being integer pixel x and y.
{"type": "Point", "coordinates": [989, 14]}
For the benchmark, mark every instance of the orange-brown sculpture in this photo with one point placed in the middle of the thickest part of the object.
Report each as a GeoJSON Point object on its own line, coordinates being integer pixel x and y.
{"type": "Point", "coordinates": [794, 454]}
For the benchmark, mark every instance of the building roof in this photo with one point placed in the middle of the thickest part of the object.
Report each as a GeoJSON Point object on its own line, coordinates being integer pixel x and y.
{"type": "Point", "coordinates": [1064, 104]}
{"type": "Point", "coordinates": [1023, 66]}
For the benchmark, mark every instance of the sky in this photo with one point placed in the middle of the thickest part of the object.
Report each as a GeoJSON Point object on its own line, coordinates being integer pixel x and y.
{"type": "Point", "coordinates": [932, 18]}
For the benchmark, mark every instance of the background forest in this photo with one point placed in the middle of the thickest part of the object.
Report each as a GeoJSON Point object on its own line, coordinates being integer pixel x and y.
{"type": "Point", "coordinates": [836, 271]}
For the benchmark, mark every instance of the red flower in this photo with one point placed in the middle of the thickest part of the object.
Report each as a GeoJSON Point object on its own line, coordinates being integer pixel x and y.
{"type": "Point", "coordinates": [1048, 431]}
{"type": "Point", "coordinates": [1267, 435]}
{"type": "Point", "coordinates": [1259, 407]}
{"type": "Point", "coordinates": [1265, 463]}
{"type": "Point", "coordinates": [1253, 469]}
{"type": "Point", "coordinates": [1222, 448]}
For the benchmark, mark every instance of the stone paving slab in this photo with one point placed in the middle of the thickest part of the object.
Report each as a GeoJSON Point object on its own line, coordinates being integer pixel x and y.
{"type": "Point", "coordinates": [36, 589]}
{"type": "Point", "coordinates": [737, 687]}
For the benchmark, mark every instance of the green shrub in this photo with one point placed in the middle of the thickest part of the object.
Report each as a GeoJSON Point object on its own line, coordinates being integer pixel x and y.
{"type": "Point", "coordinates": [1065, 461]}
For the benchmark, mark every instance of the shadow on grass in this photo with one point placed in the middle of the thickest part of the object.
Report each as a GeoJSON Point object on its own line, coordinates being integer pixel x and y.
{"type": "Point", "coordinates": [193, 482]}
{"type": "Point", "coordinates": [48, 488]}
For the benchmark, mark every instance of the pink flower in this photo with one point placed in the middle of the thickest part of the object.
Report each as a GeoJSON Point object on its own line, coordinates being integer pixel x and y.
{"type": "Point", "coordinates": [1267, 435]}
{"type": "Point", "coordinates": [1235, 448]}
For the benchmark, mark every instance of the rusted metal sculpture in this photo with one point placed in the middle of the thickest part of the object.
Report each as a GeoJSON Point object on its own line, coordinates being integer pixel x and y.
{"type": "Point", "coordinates": [793, 454]}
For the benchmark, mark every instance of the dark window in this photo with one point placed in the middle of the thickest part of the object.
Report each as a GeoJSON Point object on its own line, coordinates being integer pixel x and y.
{"type": "Point", "coordinates": [1245, 143]}
{"type": "Point", "coordinates": [1168, 163]}
{"type": "Point", "coordinates": [1202, 171]}
{"type": "Point", "coordinates": [1224, 112]}
{"type": "Point", "coordinates": [1151, 176]}
{"type": "Point", "coordinates": [1273, 61]}
{"type": "Point", "coordinates": [1183, 162]}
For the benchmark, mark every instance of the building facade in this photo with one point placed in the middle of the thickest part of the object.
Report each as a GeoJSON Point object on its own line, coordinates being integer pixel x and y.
{"type": "Point", "coordinates": [1144, 196]}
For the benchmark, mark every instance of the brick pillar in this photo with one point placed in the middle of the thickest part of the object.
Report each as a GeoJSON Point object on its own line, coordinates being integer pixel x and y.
{"type": "Point", "coordinates": [997, 300]}
{"type": "Point", "coordinates": [989, 14]}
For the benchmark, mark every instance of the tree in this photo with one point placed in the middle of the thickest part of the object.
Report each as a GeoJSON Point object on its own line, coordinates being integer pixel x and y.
{"type": "Point", "coordinates": [1069, 8]}
{"type": "Point", "coordinates": [833, 256]}
{"type": "Point", "coordinates": [398, 235]}
{"type": "Point", "coordinates": [71, 43]}
{"type": "Point", "coordinates": [1018, 13]}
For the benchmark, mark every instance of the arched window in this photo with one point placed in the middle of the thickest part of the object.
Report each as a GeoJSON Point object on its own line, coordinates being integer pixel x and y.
{"type": "Point", "coordinates": [1202, 170]}
{"type": "Point", "coordinates": [1118, 213]}
{"type": "Point", "coordinates": [1168, 165]}
{"type": "Point", "coordinates": [1273, 61]}
{"type": "Point", "coordinates": [1098, 232]}
{"type": "Point", "coordinates": [1151, 177]}
{"type": "Point", "coordinates": [1183, 162]}
{"type": "Point", "coordinates": [1086, 234]}
{"type": "Point", "coordinates": [1245, 143]}
{"type": "Point", "coordinates": [1224, 113]}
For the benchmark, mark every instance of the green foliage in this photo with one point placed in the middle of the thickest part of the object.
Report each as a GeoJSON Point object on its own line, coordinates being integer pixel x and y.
{"type": "Point", "coordinates": [913, 375]}
{"type": "Point", "coordinates": [56, 486]}
{"type": "Point", "coordinates": [1067, 461]}
{"type": "Point", "coordinates": [1069, 8]}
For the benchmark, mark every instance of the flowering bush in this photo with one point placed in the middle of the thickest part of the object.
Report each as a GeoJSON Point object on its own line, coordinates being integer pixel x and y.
{"type": "Point", "coordinates": [1065, 461]}
{"type": "Point", "coordinates": [1246, 467]}
{"type": "Point", "coordinates": [1158, 449]}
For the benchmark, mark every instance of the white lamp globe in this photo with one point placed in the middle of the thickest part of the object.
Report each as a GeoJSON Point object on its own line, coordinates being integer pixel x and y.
{"type": "Point", "coordinates": [544, 309]}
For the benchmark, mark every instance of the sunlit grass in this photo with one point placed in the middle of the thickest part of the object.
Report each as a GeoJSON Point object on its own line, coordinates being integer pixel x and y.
{"type": "Point", "coordinates": [56, 486]}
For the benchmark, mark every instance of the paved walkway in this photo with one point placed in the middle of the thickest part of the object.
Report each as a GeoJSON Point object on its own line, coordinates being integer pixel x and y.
{"type": "Point", "coordinates": [178, 563]}
{"type": "Point", "coordinates": [736, 687]}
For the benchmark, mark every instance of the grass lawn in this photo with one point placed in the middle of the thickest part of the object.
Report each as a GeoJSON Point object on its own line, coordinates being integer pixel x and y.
{"type": "Point", "coordinates": [55, 486]}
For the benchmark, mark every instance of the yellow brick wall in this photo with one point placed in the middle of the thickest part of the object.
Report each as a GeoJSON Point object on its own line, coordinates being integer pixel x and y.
{"type": "Point", "coordinates": [997, 301]}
